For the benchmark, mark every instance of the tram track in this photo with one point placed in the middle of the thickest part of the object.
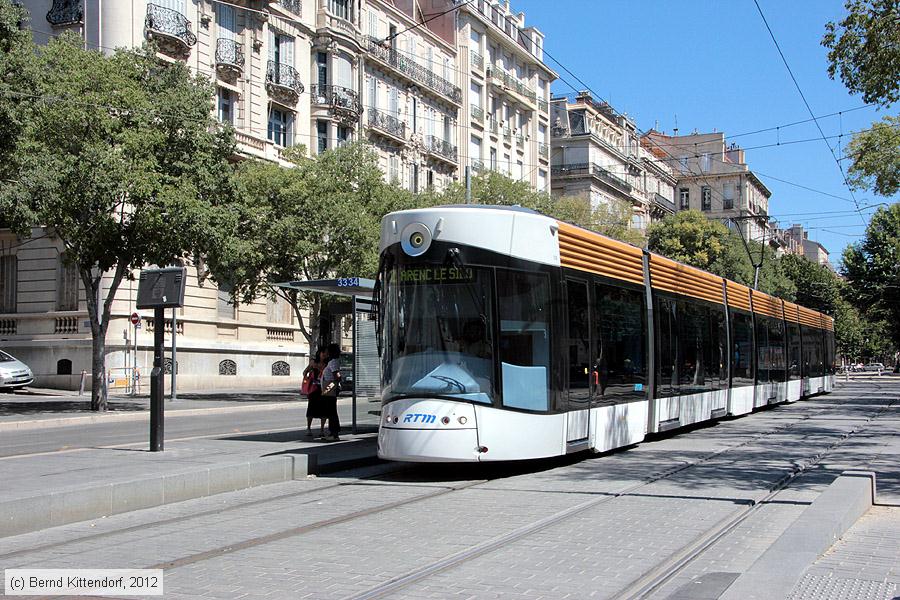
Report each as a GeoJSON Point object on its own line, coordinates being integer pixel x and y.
{"type": "Point", "coordinates": [662, 573]}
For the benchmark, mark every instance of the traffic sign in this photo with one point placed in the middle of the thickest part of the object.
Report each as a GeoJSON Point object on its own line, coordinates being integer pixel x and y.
{"type": "Point", "coordinates": [135, 318]}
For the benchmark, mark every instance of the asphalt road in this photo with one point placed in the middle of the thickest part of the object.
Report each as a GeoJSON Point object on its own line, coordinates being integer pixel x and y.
{"type": "Point", "coordinates": [280, 422]}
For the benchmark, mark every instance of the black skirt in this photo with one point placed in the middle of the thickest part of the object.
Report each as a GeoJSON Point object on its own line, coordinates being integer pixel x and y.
{"type": "Point", "coordinates": [315, 408]}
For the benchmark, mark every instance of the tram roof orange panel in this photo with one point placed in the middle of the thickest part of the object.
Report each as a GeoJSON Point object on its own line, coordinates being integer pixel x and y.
{"type": "Point", "coordinates": [738, 295]}
{"type": "Point", "coordinates": [790, 312]}
{"type": "Point", "coordinates": [670, 276]}
{"type": "Point", "coordinates": [764, 304]}
{"type": "Point", "coordinates": [588, 251]}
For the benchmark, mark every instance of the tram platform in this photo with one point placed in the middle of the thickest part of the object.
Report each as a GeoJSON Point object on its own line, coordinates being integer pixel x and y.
{"type": "Point", "coordinates": [48, 489]}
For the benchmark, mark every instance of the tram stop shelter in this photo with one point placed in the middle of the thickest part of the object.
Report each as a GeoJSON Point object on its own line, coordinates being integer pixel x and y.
{"type": "Point", "coordinates": [366, 362]}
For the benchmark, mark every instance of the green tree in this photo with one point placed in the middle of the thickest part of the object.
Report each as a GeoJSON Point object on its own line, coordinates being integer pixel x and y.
{"type": "Point", "coordinates": [864, 49]}
{"type": "Point", "coordinates": [872, 270]}
{"type": "Point", "coordinates": [875, 157]}
{"type": "Point", "coordinates": [689, 237]}
{"type": "Point", "coordinates": [120, 157]}
{"type": "Point", "coordinates": [611, 218]}
{"type": "Point", "coordinates": [818, 287]}
{"type": "Point", "coordinates": [316, 220]}
{"type": "Point", "coordinates": [17, 82]}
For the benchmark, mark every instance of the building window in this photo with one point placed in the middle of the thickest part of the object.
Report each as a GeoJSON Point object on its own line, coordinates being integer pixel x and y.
{"type": "Point", "coordinates": [728, 196]}
{"type": "Point", "coordinates": [415, 115]}
{"type": "Point", "coordinates": [394, 169]}
{"type": "Point", "coordinates": [429, 178]}
{"type": "Point", "coordinates": [341, 8]}
{"type": "Point", "coordinates": [280, 125]}
{"type": "Point", "coordinates": [322, 69]}
{"type": "Point", "coordinates": [685, 197]}
{"type": "Point", "coordinates": [343, 135]}
{"type": "Point", "coordinates": [493, 159]}
{"type": "Point", "coordinates": [322, 136]}
{"type": "Point", "coordinates": [705, 198]}
{"type": "Point", "coordinates": [9, 275]}
{"type": "Point", "coordinates": [279, 310]}
{"type": "Point", "coordinates": [226, 307]}
{"type": "Point", "coordinates": [225, 105]}
{"type": "Point", "coordinates": [67, 284]}
{"type": "Point", "coordinates": [542, 180]}
{"type": "Point", "coordinates": [684, 163]}
{"type": "Point", "coordinates": [704, 162]}
{"type": "Point", "coordinates": [414, 179]}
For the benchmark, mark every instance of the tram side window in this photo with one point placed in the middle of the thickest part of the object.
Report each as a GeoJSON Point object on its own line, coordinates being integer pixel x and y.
{"type": "Point", "coordinates": [776, 349]}
{"type": "Point", "coordinates": [829, 353]}
{"type": "Point", "coordinates": [812, 351]}
{"type": "Point", "coordinates": [667, 351]}
{"type": "Point", "coordinates": [524, 309]}
{"type": "Point", "coordinates": [741, 349]}
{"type": "Point", "coordinates": [578, 344]}
{"type": "Point", "coordinates": [621, 360]}
{"type": "Point", "coordinates": [717, 365]}
{"type": "Point", "coordinates": [697, 364]}
{"type": "Point", "coordinates": [793, 343]}
{"type": "Point", "coordinates": [763, 356]}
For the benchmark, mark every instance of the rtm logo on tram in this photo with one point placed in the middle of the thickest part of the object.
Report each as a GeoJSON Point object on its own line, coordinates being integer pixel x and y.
{"type": "Point", "coordinates": [414, 418]}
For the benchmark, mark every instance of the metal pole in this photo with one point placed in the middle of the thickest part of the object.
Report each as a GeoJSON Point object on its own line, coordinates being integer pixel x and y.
{"type": "Point", "coordinates": [136, 381]}
{"type": "Point", "coordinates": [468, 185]}
{"type": "Point", "coordinates": [355, 358]}
{"type": "Point", "coordinates": [157, 382]}
{"type": "Point", "coordinates": [174, 396]}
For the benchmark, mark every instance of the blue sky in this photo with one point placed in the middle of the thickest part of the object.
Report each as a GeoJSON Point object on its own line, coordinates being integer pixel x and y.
{"type": "Point", "coordinates": [714, 65]}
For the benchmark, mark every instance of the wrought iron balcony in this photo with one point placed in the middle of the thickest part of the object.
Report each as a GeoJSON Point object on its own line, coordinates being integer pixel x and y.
{"type": "Point", "coordinates": [342, 100]}
{"type": "Point", "coordinates": [283, 82]}
{"type": "Point", "coordinates": [477, 165]}
{"type": "Point", "coordinates": [493, 125]}
{"type": "Point", "coordinates": [507, 133]}
{"type": "Point", "coordinates": [229, 56]}
{"type": "Point", "coordinates": [477, 112]}
{"type": "Point", "coordinates": [171, 29]}
{"type": "Point", "coordinates": [409, 68]}
{"type": "Point", "coordinates": [558, 131]}
{"type": "Point", "coordinates": [592, 169]}
{"type": "Point", "coordinates": [520, 140]}
{"type": "Point", "coordinates": [444, 149]}
{"type": "Point", "coordinates": [294, 6]}
{"type": "Point", "coordinates": [66, 12]}
{"type": "Point", "coordinates": [663, 203]}
{"type": "Point", "coordinates": [387, 123]}
{"type": "Point", "coordinates": [477, 59]}
{"type": "Point", "coordinates": [543, 106]}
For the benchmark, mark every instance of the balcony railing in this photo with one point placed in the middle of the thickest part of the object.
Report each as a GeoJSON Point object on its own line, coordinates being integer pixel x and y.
{"type": "Point", "coordinates": [507, 133]}
{"type": "Point", "coordinates": [493, 126]}
{"type": "Point", "coordinates": [477, 165]}
{"type": "Point", "coordinates": [283, 82]}
{"type": "Point", "coordinates": [543, 150]}
{"type": "Point", "coordinates": [229, 55]}
{"type": "Point", "coordinates": [340, 99]}
{"type": "Point", "coordinates": [8, 326]}
{"type": "Point", "coordinates": [66, 12]}
{"type": "Point", "coordinates": [477, 60]}
{"type": "Point", "coordinates": [292, 5]}
{"type": "Point", "coordinates": [594, 170]}
{"type": "Point", "coordinates": [413, 71]}
{"type": "Point", "coordinates": [520, 140]}
{"type": "Point", "coordinates": [387, 123]}
{"type": "Point", "coordinates": [558, 131]}
{"type": "Point", "coordinates": [543, 106]}
{"type": "Point", "coordinates": [65, 325]}
{"type": "Point", "coordinates": [477, 112]}
{"type": "Point", "coordinates": [171, 28]}
{"type": "Point", "coordinates": [436, 145]}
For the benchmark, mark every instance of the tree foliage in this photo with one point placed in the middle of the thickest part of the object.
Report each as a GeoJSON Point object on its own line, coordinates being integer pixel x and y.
{"type": "Point", "coordinates": [864, 49]}
{"type": "Point", "coordinates": [872, 270]}
{"type": "Point", "coordinates": [875, 157]}
{"type": "Point", "coordinates": [316, 220]}
{"type": "Point", "coordinates": [689, 237]}
{"type": "Point", "coordinates": [120, 157]}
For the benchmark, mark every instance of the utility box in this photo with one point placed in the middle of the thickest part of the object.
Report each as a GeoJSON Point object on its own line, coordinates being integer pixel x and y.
{"type": "Point", "coordinates": [161, 288]}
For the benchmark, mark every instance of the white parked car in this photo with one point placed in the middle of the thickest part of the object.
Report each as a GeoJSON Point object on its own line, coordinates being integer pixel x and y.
{"type": "Point", "coordinates": [14, 374]}
{"type": "Point", "coordinates": [874, 367]}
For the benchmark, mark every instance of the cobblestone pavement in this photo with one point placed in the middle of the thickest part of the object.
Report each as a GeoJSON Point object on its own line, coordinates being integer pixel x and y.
{"type": "Point", "coordinates": [469, 531]}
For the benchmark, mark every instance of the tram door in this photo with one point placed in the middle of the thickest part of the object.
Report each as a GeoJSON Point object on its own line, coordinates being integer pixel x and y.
{"type": "Point", "coordinates": [579, 348]}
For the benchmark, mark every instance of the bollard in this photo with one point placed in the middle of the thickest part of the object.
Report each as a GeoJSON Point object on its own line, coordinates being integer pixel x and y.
{"type": "Point", "coordinates": [81, 385]}
{"type": "Point", "coordinates": [847, 375]}
{"type": "Point", "coordinates": [879, 372]}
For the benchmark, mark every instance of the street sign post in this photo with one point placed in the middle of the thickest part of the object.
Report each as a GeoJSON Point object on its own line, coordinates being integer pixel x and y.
{"type": "Point", "coordinates": [135, 318]}
{"type": "Point", "coordinates": [159, 289]}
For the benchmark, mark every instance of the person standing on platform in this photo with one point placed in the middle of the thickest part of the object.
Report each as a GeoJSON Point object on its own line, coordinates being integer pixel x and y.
{"type": "Point", "coordinates": [312, 378]}
{"type": "Point", "coordinates": [331, 387]}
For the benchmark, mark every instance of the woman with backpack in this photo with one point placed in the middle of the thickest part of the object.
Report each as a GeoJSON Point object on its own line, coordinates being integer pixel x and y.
{"type": "Point", "coordinates": [312, 388]}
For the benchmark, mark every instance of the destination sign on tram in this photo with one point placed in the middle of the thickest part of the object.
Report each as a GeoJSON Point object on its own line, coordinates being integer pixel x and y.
{"type": "Point", "coordinates": [434, 274]}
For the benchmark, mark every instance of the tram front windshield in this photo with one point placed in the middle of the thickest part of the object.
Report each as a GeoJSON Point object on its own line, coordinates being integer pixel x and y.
{"type": "Point", "coordinates": [436, 332]}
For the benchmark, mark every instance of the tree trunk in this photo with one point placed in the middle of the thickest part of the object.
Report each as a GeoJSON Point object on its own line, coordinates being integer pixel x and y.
{"type": "Point", "coordinates": [99, 316]}
{"type": "Point", "coordinates": [98, 371]}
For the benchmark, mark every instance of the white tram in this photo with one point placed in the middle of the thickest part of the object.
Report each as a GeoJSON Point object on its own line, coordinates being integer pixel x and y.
{"type": "Point", "coordinates": [508, 335]}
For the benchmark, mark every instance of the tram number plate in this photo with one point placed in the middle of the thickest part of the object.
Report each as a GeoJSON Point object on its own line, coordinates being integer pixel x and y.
{"type": "Point", "coordinates": [436, 275]}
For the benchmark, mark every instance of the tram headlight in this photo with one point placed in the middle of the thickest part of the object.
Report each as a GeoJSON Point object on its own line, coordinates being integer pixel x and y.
{"type": "Point", "coordinates": [462, 420]}
{"type": "Point", "coordinates": [415, 239]}
{"type": "Point", "coordinates": [445, 420]}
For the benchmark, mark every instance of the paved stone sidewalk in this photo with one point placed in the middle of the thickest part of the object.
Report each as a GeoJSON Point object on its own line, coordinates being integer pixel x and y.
{"type": "Point", "coordinates": [864, 564]}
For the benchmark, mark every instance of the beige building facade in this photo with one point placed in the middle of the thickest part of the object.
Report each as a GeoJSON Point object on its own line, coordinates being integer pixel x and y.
{"type": "Point", "coordinates": [598, 154]}
{"type": "Point", "coordinates": [714, 178]}
{"type": "Point", "coordinates": [320, 73]}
